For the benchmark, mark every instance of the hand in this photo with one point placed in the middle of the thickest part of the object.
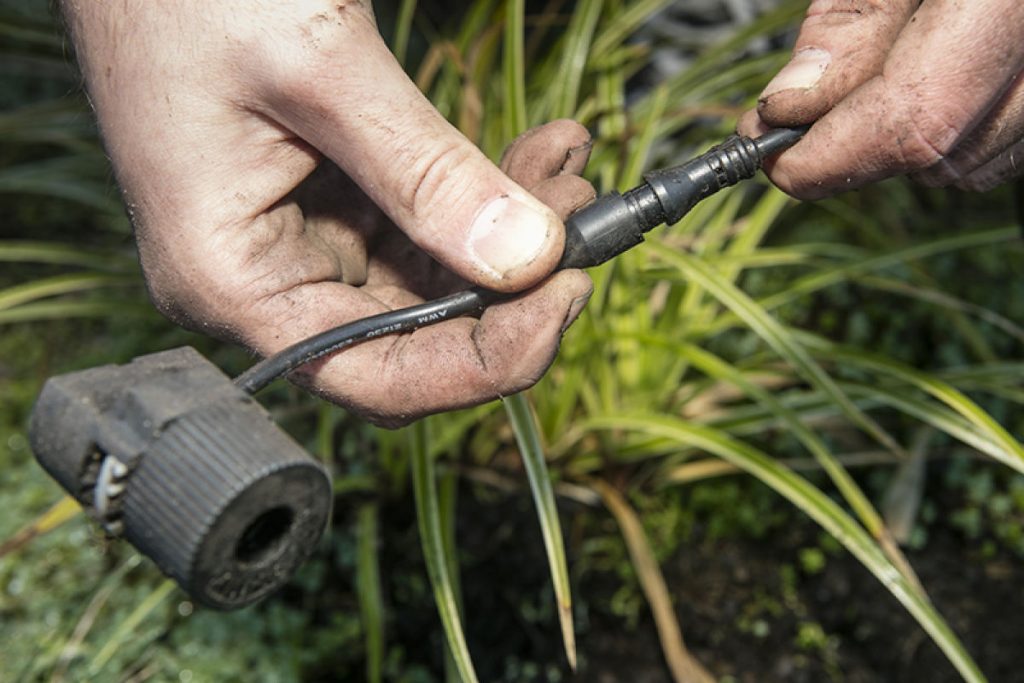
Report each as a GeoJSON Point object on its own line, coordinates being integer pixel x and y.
{"type": "Point", "coordinates": [932, 88]}
{"type": "Point", "coordinates": [284, 176]}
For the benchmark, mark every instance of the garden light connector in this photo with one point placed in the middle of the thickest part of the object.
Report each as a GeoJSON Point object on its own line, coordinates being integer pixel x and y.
{"type": "Point", "coordinates": [167, 452]}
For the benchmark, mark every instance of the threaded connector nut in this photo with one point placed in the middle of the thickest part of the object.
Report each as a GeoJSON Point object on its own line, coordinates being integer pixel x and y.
{"type": "Point", "coordinates": [189, 468]}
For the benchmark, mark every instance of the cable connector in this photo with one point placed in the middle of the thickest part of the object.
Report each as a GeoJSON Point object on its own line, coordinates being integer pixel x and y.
{"type": "Point", "coordinates": [615, 223]}
{"type": "Point", "coordinates": [169, 453]}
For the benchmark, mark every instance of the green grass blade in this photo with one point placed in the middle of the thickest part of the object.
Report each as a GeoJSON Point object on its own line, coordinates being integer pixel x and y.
{"type": "Point", "coordinates": [60, 310]}
{"type": "Point", "coordinates": [709, 468]}
{"type": "Point", "coordinates": [612, 127]}
{"type": "Point", "coordinates": [620, 26]}
{"type": "Point", "coordinates": [940, 299]}
{"type": "Point", "coordinates": [938, 416]}
{"type": "Point", "coordinates": [72, 646]}
{"type": "Point", "coordinates": [817, 506]}
{"type": "Point", "coordinates": [684, 667]}
{"type": "Point", "coordinates": [69, 178]}
{"type": "Point", "coordinates": [984, 423]}
{"type": "Point", "coordinates": [371, 604]}
{"type": "Point", "coordinates": [528, 438]}
{"type": "Point", "coordinates": [126, 629]}
{"type": "Point", "coordinates": [998, 379]}
{"type": "Point", "coordinates": [815, 406]}
{"type": "Point", "coordinates": [327, 420]}
{"type": "Point", "coordinates": [477, 15]}
{"type": "Point", "coordinates": [851, 492]}
{"type": "Point", "coordinates": [713, 59]}
{"type": "Point", "coordinates": [576, 50]}
{"type": "Point", "coordinates": [448, 490]}
{"type": "Point", "coordinates": [62, 122]}
{"type": "Point", "coordinates": [55, 286]}
{"type": "Point", "coordinates": [825, 278]}
{"type": "Point", "coordinates": [403, 28]}
{"type": "Point", "coordinates": [857, 264]}
{"type": "Point", "coordinates": [702, 81]}
{"type": "Point", "coordinates": [428, 518]}
{"type": "Point", "coordinates": [641, 151]}
{"type": "Point", "coordinates": [62, 254]}
{"type": "Point", "coordinates": [775, 335]}
{"type": "Point", "coordinates": [22, 30]}
{"type": "Point", "coordinates": [755, 227]}
{"type": "Point", "coordinates": [516, 120]}
{"type": "Point", "coordinates": [449, 435]}
{"type": "Point", "coordinates": [64, 510]}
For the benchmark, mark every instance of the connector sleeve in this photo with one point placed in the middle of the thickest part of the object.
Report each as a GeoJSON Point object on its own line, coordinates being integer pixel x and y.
{"type": "Point", "coordinates": [680, 188]}
{"type": "Point", "coordinates": [599, 231]}
{"type": "Point", "coordinates": [610, 225]}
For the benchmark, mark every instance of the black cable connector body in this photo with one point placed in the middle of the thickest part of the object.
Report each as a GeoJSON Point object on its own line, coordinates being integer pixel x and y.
{"type": "Point", "coordinates": [615, 223]}
{"type": "Point", "coordinates": [605, 228]}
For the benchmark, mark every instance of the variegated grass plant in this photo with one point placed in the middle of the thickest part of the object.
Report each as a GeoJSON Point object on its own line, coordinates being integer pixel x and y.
{"type": "Point", "coordinates": [688, 359]}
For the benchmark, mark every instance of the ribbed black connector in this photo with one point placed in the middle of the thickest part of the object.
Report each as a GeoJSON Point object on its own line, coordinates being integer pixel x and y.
{"type": "Point", "coordinates": [169, 453]}
{"type": "Point", "coordinates": [678, 189]}
{"type": "Point", "coordinates": [603, 229]}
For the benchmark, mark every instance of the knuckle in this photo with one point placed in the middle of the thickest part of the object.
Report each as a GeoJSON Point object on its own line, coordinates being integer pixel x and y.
{"type": "Point", "coordinates": [852, 10]}
{"type": "Point", "coordinates": [925, 128]}
{"type": "Point", "coordinates": [303, 62]}
{"type": "Point", "coordinates": [192, 296]}
{"type": "Point", "coordinates": [429, 182]}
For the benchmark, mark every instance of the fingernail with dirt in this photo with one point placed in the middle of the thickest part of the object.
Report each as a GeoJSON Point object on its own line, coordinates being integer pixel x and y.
{"type": "Point", "coordinates": [802, 73]}
{"type": "Point", "coordinates": [509, 234]}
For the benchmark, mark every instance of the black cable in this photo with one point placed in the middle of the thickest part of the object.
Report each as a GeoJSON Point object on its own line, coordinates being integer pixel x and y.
{"type": "Point", "coordinates": [779, 140]}
{"type": "Point", "coordinates": [468, 302]}
{"type": "Point", "coordinates": [610, 225]}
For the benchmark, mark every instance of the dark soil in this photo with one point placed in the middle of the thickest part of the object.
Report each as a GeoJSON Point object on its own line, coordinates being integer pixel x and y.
{"type": "Point", "coordinates": [750, 609]}
{"type": "Point", "coordinates": [722, 588]}
{"type": "Point", "coordinates": [747, 609]}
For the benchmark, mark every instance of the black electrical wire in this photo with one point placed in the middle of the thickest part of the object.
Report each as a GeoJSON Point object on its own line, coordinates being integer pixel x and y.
{"type": "Point", "coordinates": [468, 302]}
{"type": "Point", "coordinates": [610, 225]}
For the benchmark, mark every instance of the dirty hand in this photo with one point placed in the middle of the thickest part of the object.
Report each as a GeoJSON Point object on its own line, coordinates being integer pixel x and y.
{"type": "Point", "coordinates": [284, 176]}
{"type": "Point", "coordinates": [932, 88]}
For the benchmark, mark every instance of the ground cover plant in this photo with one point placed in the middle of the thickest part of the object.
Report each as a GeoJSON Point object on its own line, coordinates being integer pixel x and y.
{"type": "Point", "coordinates": [842, 379]}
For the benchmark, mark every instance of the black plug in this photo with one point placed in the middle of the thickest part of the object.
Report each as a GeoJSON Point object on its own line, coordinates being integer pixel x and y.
{"type": "Point", "coordinates": [614, 223]}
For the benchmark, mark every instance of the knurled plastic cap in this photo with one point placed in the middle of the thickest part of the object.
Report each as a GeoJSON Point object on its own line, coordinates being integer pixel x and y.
{"type": "Point", "coordinates": [226, 504]}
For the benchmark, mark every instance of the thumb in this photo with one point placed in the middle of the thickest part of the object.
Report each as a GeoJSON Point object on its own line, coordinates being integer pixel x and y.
{"type": "Point", "coordinates": [347, 96]}
{"type": "Point", "coordinates": [842, 44]}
